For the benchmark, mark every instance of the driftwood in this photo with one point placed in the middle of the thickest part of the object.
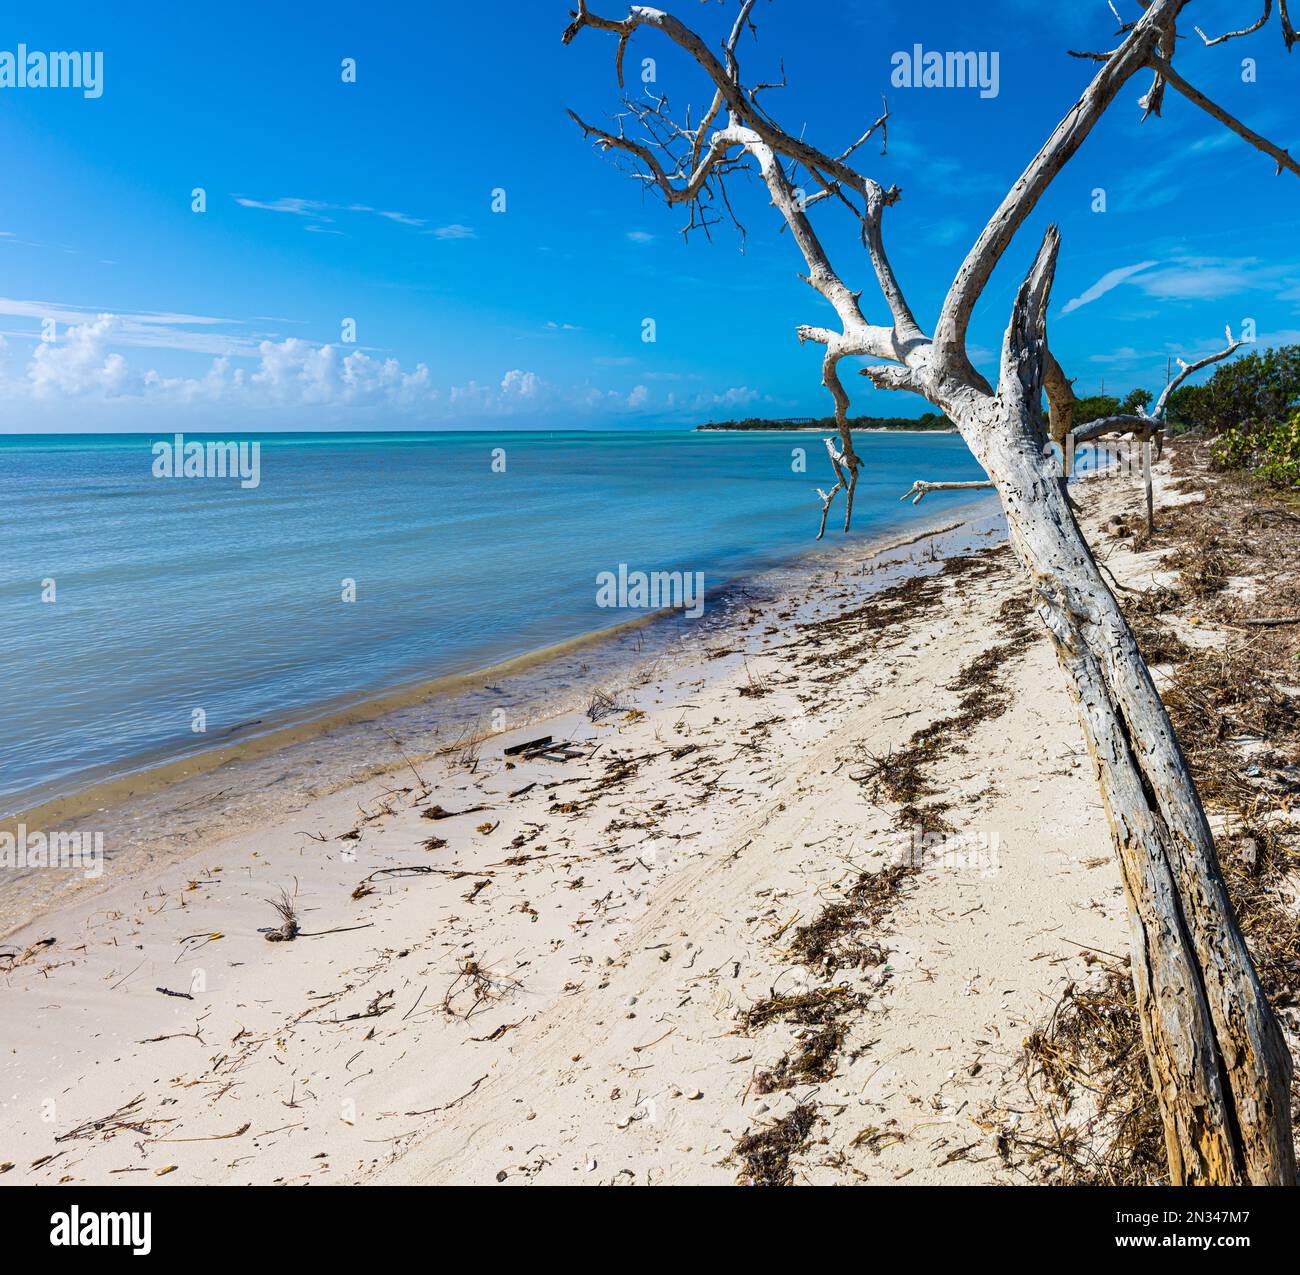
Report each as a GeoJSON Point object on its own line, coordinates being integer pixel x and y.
{"type": "Point", "coordinates": [1220, 1068]}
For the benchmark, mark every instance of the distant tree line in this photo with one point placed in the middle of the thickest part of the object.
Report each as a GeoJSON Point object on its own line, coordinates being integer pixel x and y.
{"type": "Point", "coordinates": [1095, 406]}
{"type": "Point", "coordinates": [929, 421]}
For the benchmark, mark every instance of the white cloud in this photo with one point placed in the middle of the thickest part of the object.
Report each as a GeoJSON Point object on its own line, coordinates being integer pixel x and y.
{"type": "Point", "coordinates": [1111, 279]}
{"type": "Point", "coordinates": [295, 372]}
{"type": "Point", "coordinates": [1195, 279]}
{"type": "Point", "coordinates": [289, 373]}
{"type": "Point", "coordinates": [736, 396]}
{"type": "Point", "coordinates": [640, 236]}
{"type": "Point", "coordinates": [1281, 336]}
{"type": "Point", "coordinates": [316, 210]}
{"type": "Point", "coordinates": [1206, 278]}
{"type": "Point", "coordinates": [296, 207]}
{"type": "Point", "coordinates": [77, 364]}
{"type": "Point", "coordinates": [520, 384]}
{"type": "Point", "coordinates": [402, 219]}
{"type": "Point", "coordinates": [150, 329]}
{"type": "Point", "coordinates": [454, 231]}
{"type": "Point", "coordinates": [294, 375]}
{"type": "Point", "coordinates": [517, 391]}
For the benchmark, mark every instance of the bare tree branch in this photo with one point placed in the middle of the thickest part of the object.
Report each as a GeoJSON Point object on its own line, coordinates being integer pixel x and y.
{"type": "Point", "coordinates": [1024, 348]}
{"type": "Point", "coordinates": [1145, 422]}
{"type": "Point", "coordinates": [1162, 403]}
{"type": "Point", "coordinates": [1060, 399]}
{"type": "Point", "coordinates": [1234, 35]}
{"type": "Point", "coordinates": [1119, 423]}
{"type": "Point", "coordinates": [1023, 197]}
{"type": "Point", "coordinates": [1282, 157]}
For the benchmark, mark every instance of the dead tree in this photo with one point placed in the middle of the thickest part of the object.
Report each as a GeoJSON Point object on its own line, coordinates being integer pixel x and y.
{"type": "Point", "coordinates": [1220, 1068]}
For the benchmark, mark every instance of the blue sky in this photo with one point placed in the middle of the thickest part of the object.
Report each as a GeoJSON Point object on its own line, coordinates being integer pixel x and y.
{"type": "Point", "coordinates": [371, 201]}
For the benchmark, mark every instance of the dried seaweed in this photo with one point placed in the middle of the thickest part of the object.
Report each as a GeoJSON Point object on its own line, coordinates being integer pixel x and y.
{"type": "Point", "coordinates": [834, 939]}
{"type": "Point", "coordinates": [766, 1154]}
{"type": "Point", "coordinates": [810, 1008]}
{"type": "Point", "coordinates": [900, 775]}
{"type": "Point", "coordinates": [1090, 1064]}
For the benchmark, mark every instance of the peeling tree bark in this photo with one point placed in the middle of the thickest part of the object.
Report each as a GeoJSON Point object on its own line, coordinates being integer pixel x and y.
{"type": "Point", "coordinates": [1219, 1065]}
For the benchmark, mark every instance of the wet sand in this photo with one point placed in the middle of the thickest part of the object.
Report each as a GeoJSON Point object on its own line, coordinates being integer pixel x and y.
{"type": "Point", "coordinates": [158, 808]}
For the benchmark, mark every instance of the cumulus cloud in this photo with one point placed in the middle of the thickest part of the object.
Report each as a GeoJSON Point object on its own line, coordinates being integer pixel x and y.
{"type": "Point", "coordinates": [518, 391]}
{"type": "Point", "coordinates": [78, 363]}
{"type": "Point", "coordinates": [519, 384]}
{"type": "Point", "coordinates": [295, 372]}
{"type": "Point", "coordinates": [736, 396]}
{"type": "Point", "coordinates": [292, 372]}
{"type": "Point", "coordinates": [294, 375]}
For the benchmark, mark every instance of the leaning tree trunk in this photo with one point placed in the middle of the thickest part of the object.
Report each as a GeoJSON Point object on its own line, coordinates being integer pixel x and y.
{"type": "Point", "coordinates": [1220, 1066]}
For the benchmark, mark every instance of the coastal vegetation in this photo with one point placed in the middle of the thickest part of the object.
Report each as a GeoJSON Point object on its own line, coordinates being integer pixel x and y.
{"type": "Point", "coordinates": [1252, 407]}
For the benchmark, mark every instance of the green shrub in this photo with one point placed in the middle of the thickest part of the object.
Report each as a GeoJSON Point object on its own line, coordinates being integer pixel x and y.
{"type": "Point", "coordinates": [1271, 449]}
{"type": "Point", "coordinates": [1256, 388]}
{"type": "Point", "coordinates": [1281, 453]}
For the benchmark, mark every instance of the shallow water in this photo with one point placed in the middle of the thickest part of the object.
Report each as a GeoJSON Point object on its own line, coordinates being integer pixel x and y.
{"type": "Point", "coordinates": [197, 601]}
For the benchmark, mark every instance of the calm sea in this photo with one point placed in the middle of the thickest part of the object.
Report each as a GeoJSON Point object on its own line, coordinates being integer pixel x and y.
{"type": "Point", "coordinates": [175, 597]}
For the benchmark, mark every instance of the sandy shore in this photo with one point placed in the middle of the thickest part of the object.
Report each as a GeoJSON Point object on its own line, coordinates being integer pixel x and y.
{"type": "Point", "coordinates": [548, 970]}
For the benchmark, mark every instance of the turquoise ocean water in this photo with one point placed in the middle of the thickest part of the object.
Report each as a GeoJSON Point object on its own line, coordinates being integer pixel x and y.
{"type": "Point", "coordinates": [176, 594]}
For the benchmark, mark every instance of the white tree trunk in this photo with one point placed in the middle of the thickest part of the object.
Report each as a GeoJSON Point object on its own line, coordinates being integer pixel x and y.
{"type": "Point", "coordinates": [1220, 1066]}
